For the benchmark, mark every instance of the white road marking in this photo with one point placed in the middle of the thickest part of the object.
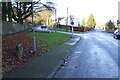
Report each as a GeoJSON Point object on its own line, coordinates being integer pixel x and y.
{"type": "Point", "coordinates": [116, 44]}
{"type": "Point", "coordinates": [78, 52]}
{"type": "Point", "coordinates": [70, 43]}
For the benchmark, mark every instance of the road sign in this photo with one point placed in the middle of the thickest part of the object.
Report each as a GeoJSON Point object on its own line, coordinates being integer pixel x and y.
{"type": "Point", "coordinates": [72, 23]}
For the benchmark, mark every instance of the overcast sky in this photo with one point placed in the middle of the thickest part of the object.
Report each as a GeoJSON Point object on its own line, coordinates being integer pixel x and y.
{"type": "Point", "coordinates": [103, 10]}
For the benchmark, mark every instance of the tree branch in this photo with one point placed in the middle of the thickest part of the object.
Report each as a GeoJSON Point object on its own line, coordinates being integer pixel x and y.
{"type": "Point", "coordinates": [27, 11]}
{"type": "Point", "coordinates": [27, 16]}
{"type": "Point", "coordinates": [13, 16]}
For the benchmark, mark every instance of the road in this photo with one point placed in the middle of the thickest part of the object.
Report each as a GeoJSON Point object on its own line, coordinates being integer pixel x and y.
{"type": "Point", "coordinates": [95, 56]}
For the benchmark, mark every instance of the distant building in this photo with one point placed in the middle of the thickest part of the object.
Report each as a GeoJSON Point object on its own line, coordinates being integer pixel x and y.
{"type": "Point", "coordinates": [63, 21]}
{"type": "Point", "coordinates": [102, 27]}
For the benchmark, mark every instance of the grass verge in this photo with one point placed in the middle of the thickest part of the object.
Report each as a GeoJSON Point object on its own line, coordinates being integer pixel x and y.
{"type": "Point", "coordinates": [50, 40]}
{"type": "Point", "coordinates": [63, 29]}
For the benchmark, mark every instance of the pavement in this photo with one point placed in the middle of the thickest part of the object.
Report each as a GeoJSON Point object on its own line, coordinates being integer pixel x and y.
{"type": "Point", "coordinates": [46, 65]}
{"type": "Point", "coordinates": [95, 56]}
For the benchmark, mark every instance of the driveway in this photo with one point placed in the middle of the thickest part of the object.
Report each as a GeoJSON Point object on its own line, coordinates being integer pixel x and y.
{"type": "Point", "coordinates": [95, 56]}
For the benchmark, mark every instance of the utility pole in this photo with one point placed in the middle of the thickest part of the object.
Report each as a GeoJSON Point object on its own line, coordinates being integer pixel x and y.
{"type": "Point", "coordinates": [118, 20]}
{"type": "Point", "coordinates": [33, 37]}
{"type": "Point", "coordinates": [67, 17]}
{"type": "Point", "coordinates": [118, 15]}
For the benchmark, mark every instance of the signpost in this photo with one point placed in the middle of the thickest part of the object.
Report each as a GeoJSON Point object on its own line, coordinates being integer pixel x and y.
{"type": "Point", "coordinates": [34, 39]}
{"type": "Point", "coordinates": [72, 23]}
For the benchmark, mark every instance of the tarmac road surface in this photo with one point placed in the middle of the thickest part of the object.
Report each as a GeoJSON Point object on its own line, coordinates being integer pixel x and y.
{"type": "Point", "coordinates": [95, 56]}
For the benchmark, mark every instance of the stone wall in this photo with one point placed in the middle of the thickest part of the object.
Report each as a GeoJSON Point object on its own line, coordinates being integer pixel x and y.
{"type": "Point", "coordinates": [10, 28]}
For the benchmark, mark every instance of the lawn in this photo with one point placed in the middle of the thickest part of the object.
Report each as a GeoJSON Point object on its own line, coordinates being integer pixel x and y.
{"type": "Point", "coordinates": [50, 40]}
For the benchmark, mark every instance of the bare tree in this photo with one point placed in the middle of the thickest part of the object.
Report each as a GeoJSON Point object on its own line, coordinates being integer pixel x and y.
{"type": "Point", "coordinates": [19, 11]}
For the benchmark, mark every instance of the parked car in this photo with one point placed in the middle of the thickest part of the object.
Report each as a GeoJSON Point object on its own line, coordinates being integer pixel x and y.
{"type": "Point", "coordinates": [116, 34]}
{"type": "Point", "coordinates": [43, 26]}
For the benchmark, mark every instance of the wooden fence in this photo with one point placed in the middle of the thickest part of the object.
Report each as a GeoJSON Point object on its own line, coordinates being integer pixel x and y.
{"type": "Point", "coordinates": [81, 29]}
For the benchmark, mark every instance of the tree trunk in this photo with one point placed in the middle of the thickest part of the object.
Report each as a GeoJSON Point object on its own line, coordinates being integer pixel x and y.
{"type": "Point", "coordinates": [9, 12]}
{"type": "Point", "coordinates": [24, 8]}
{"type": "Point", "coordinates": [21, 21]}
{"type": "Point", "coordinates": [17, 9]}
{"type": "Point", "coordinates": [19, 13]}
{"type": "Point", "coordinates": [4, 10]}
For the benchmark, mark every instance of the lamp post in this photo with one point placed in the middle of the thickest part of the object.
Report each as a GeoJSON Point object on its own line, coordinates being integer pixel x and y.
{"type": "Point", "coordinates": [33, 31]}
{"type": "Point", "coordinates": [55, 16]}
{"type": "Point", "coordinates": [55, 19]}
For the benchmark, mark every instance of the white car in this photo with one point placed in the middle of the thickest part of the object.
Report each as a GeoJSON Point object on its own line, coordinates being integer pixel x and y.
{"type": "Point", "coordinates": [42, 28]}
{"type": "Point", "coordinates": [116, 34]}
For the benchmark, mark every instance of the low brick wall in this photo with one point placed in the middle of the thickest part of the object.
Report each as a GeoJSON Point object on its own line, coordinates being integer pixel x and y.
{"type": "Point", "coordinates": [10, 28]}
{"type": "Point", "coordinates": [87, 29]}
{"type": "Point", "coordinates": [110, 31]}
{"type": "Point", "coordinates": [81, 29]}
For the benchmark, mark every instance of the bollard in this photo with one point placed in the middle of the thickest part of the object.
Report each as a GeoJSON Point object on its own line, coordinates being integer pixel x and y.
{"type": "Point", "coordinates": [19, 50]}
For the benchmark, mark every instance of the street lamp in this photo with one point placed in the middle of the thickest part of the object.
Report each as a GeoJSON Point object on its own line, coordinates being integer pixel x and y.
{"type": "Point", "coordinates": [55, 19]}
{"type": "Point", "coordinates": [33, 31]}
